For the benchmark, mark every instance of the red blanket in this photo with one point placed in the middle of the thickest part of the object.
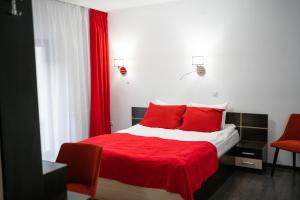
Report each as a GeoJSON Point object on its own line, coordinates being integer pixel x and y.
{"type": "Point", "coordinates": [176, 166]}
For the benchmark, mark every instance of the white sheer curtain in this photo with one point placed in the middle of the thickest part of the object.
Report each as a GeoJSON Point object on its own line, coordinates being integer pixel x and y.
{"type": "Point", "coordinates": [63, 73]}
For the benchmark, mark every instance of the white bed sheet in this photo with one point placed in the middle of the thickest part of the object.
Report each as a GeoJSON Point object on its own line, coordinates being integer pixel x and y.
{"type": "Point", "coordinates": [223, 139]}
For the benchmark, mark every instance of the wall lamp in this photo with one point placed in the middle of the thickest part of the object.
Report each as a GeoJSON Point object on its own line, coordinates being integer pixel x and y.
{"type": "Point", "coordinates": [119, 63]}
{"type": "Point", "coordinates": [199, 62]}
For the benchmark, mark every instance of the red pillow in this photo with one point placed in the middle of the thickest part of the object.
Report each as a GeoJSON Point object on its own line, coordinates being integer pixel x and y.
{"type": "Point", "coordinates": [163, 116]}
{"type": "Point", "coordinates": [202, 119]}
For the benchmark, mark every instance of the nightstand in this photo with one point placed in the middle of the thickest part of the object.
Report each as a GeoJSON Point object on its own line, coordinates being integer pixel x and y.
{"type": "Point", "coordinates": [250, 154]}
{"type": "Point", "coordinates": [251, 151]}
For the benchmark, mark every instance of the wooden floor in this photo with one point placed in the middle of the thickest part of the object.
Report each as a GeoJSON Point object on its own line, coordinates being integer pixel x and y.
{"type": "Point", "coordinates": [245, 184]}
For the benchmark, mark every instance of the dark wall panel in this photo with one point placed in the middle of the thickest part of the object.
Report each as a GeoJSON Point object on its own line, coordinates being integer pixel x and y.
{"type": "Point", "coordinates": [255, 120]}
{"type": "Point", "coordinates": [233, 118]}
{"type": "Point", "coordinates": [251, 126]}
{"type": "Point", "coordinates": [138, 112]}
{"type": "Point", "coordinates": [255, 134]}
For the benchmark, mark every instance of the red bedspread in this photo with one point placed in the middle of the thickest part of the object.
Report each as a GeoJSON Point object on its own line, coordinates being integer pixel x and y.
{"type": "Point", "coordinates": [176, 166]}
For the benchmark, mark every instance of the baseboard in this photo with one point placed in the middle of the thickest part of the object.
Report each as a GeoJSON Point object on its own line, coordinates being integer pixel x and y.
{"type": "Point", "coordinates": [282, 166]}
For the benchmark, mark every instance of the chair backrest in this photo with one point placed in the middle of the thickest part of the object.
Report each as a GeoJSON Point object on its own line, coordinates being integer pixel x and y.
{"type": "Point", "coordinates": [83, 162]}
{"type": "Point", "coordinates": [292, 130]}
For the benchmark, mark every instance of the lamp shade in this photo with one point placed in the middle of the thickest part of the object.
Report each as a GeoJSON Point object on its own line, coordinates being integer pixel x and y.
{"type": "Point", "coordinates": [118, 62]}
{"type": "Point", "coordinates": [197, 60]}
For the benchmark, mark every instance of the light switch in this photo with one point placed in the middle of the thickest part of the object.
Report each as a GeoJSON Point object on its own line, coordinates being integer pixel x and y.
{"type": "Point", "coordinates": [215, 93]}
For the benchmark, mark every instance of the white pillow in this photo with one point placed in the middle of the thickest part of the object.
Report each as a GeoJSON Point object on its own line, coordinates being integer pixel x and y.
{"type": "Point", "coordinates": [159, 102]}
{"type": "Point", "coordinates": [220, 106]}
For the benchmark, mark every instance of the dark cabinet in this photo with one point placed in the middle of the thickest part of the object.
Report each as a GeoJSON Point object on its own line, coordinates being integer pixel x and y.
{"type": "Point", "coordinates": [20, 138]}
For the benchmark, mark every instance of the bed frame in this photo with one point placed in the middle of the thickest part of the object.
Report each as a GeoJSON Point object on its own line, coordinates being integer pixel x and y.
{"type": "Point", "coordinates": [250, 127]}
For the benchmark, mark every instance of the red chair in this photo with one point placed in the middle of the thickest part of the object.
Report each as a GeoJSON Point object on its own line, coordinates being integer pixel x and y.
{"type": "Point", "coordinates": [289, 141]}
{"type": "Point", "coordinates": [83, 168]}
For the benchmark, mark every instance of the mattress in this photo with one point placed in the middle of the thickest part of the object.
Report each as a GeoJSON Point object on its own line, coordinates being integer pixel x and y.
{"type": "Point", "coordinates": [111, 189]}
{"type": "Point", "coordinates": [223, 140]}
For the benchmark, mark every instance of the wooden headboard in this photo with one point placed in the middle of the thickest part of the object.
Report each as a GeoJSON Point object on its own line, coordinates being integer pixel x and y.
{"type": "Point", "coordinates": [253, 127]}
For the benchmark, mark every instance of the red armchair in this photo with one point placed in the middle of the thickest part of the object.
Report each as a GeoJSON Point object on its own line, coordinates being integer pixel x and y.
{"type": "Point", "coordinates": [289, 141]}
{"type": "Point", "coordinates": [83, 166]}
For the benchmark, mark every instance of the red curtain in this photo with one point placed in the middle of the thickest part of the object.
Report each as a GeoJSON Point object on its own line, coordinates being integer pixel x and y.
{"type": "Point", "coordinates": [100, 81]}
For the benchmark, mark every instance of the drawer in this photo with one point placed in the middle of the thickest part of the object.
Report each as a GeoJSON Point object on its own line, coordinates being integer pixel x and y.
{"type": "Point", "coordinates": [248, 153]}
{"type": "Point", "coordinates": [248, 162]}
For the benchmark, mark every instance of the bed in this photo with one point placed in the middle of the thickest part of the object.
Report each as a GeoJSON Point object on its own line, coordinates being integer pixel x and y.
{"type": "Point", "coordinates": [111, 189]}
{"type": "Point", "coordinates": [123, 176]}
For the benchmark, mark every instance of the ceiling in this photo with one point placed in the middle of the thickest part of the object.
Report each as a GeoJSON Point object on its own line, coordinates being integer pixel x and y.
{"type": "Point", "coordinates": [110, 5]}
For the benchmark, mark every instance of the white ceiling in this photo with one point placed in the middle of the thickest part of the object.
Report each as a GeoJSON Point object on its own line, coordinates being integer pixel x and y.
{"type": "Point", "coordinates": [110, 5]}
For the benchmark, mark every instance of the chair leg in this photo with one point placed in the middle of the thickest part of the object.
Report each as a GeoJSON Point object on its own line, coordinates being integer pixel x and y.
{"type": "Point", "coordinates": [274, 161]}
{"type": "Point", "coordinates": [294, 160]}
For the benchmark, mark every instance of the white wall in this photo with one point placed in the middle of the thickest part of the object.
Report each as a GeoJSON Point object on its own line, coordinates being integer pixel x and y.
{"type": "Point", "coordinates": [251, 50]}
